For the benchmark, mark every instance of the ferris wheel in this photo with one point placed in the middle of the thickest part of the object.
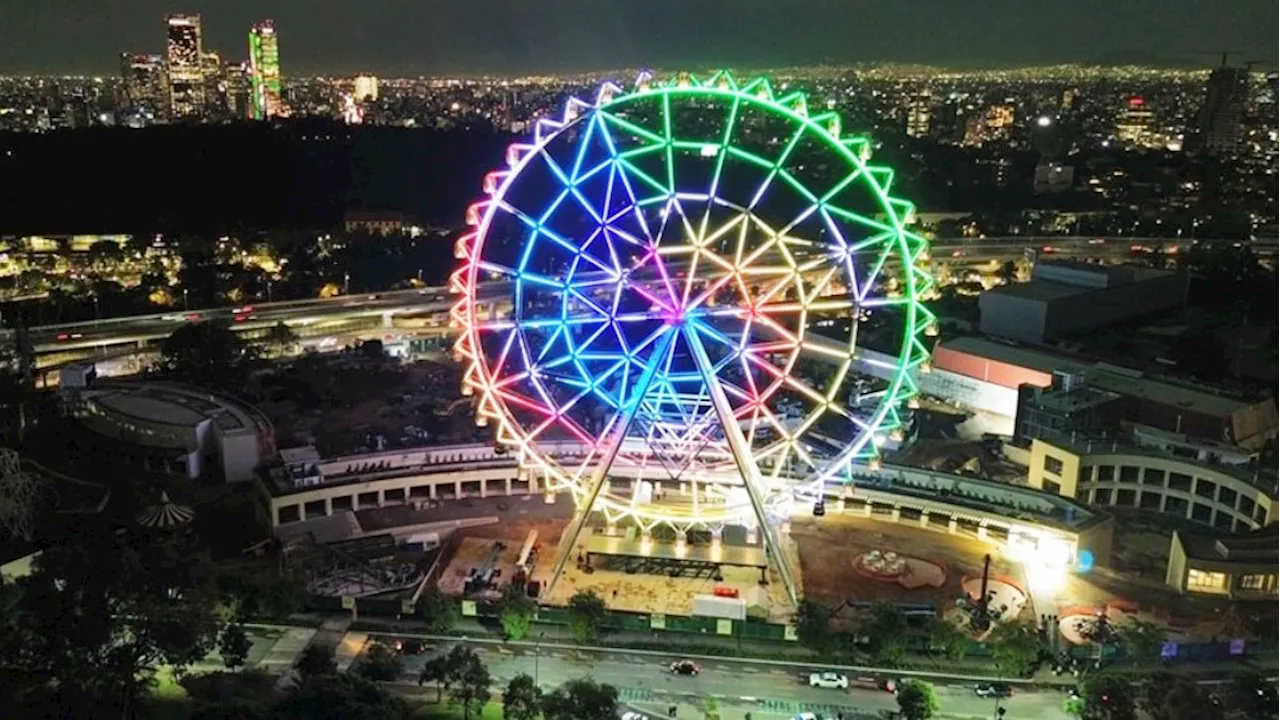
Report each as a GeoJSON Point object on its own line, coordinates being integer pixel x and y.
{"type": "Point", "coordinates": [665, 299]}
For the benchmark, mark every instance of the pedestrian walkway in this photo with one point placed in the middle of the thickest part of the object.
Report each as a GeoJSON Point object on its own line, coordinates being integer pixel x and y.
{"type": "Point", "coordinates": [349, 648]}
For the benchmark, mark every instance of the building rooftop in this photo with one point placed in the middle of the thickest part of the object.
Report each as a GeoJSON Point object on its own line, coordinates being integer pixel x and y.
{"type": "Point", "coordinates": [1041, 290]}
{"type": "Point", "coordinates": [1074, 400]}
{"type": "Point", "coordinates": [1261, 546]}
{"type": "Point", "coordinates": [170, 405]}
{"type": "Point", "coordinates": [1103, 376]}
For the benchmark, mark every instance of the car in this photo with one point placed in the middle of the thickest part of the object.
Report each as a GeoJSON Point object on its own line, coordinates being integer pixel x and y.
{"type": "Point", "coordinates": [410, 647]}
{"type": "Point", "coordinates": [988, 690]}
{"type": "Point", "coordinates": [829, 680]}
{"type": "Point", "coordinates": [634, 716]}
{"type": "Point", "coordinates": [685, 667]}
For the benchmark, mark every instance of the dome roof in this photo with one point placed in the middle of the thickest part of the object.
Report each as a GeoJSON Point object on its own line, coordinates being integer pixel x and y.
{"type": "Point", "coordinates": [166, 514]}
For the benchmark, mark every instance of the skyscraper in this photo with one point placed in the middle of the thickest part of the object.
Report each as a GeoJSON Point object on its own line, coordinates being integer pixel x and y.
{"type": "Point", "coordinates": [918, 115]}
{"type": "Point", "coordinates": [1133, 126]}
{"type": "Point", "coordinates": [142, 84]}
{"type": "Point", "coordinates": [184, 58]}
{"type": "Point", "coordinates": [366, 88]}
{"type": "Point", "coordinates": [1222, 119]}
{"type": "Point", "coordinates": [264, 66]}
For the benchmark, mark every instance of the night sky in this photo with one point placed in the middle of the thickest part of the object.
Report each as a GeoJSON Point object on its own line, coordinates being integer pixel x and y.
{"type": "Point", "coordinates": [436, 36]}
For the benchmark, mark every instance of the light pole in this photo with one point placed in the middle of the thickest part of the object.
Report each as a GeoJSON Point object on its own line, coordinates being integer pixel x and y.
{"type": "Point", "coordinates": [185, 305]}
{"type": "Point", "coordinates": [537, 653]}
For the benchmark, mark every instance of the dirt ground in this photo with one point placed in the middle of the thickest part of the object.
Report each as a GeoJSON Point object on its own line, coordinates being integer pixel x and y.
{"type": "Point", "coordinates": [829, 546]}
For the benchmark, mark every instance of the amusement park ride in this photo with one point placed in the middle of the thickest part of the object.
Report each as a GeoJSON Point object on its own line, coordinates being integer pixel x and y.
{"type": "Point", "coordinates": [690, 262]}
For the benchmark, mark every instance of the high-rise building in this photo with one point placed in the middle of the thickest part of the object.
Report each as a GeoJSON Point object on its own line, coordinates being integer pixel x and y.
{"type": "Point", "coordinates": [1222, 119]}
{"type": "Point", "coordinates": [238, 89]}
{"type": "Point", "coordinates": [264, 66]}
{"type": "Point", "coordinates": [996, 124]}
{"type": "Point", "coordinates": [142, 84]}
{"type": "Point", "coordinates": [918, 116]}
{"type": "Point", "coordinates": [1134, 124]}
{"type": "Point", "coordinates": [184, 61]}
{"type": "Point", "coordinates": [366, 88]}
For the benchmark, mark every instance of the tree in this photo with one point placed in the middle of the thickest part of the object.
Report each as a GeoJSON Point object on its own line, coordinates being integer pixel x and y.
{"type": "Point", "coordinates": [206, 353]}
{"type": "Point", "coordinates": [21, 496]}
{"type": "Point", "coordinates": [316, 661]}
{"type": "Point", "coordinates": [813, 626]}
{"type": "Point", "coordinates": [586, 614]}
{"type": "Point", "coordinates": [522, 700]}
{"type": "Point", "coordinates": [1108, 697]}
{"type": "Point", "coordinates": [917, 700]}
{"type": "Point", "coordinates": [139, 600]}
{"type": "Point", "coordinates": [381, 663]}
{"type": "Point", "coordinates": [234, 646]}
{"type": "Point", "coordinates": [1250, 695]}
{"type": "Point", "coordinates": [436, 670]}
{"type": "Point", "coordinates": [233, 709]}
{"type": "Point", "coordinates": [581, 699]}
{"type": "Point", "coordinates": [1015, 646]}
{"type": "Point", "coordinates": [1141, 640]}
{"type": "Point", "coordinates": [711, 710]}
{"type": "Point", "coordinates": [342, 697]}
{"type": "Point", "coordinates": [947, 639]}
{"type": "Point", "coordinates": [1165, 696]}
{"type": "Point", "coordinates": [438, 610]}
{"type": "Point", "coordinates": [885, 628]}
{"type": "Point", "coordinates": [471, 683]}
{"type": "Point", "coordinates": [516, 612]}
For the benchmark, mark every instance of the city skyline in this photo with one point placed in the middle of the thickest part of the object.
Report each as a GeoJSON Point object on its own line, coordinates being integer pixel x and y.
{"type": "Point", "coordinates": [389, 37]}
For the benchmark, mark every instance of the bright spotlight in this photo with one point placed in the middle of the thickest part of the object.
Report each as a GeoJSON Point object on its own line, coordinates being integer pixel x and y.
{"type": "Point", "coordinates": [1044, 121]}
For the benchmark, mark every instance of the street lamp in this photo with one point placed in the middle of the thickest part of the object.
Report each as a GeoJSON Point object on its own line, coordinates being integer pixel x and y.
{"type": "Point", "coordinates": [185, 305]}
{"type": "Point", "coordinates": [537, 645]}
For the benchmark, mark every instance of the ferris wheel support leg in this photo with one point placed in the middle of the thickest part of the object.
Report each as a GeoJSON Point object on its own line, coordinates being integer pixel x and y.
{"type": "Point", "coordinates": [747, 467]}
{"type": "Point", "coordinates": [601, 474]}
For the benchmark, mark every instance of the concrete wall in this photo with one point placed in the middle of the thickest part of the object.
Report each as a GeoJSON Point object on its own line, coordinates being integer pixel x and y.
{"type": "Point", "coordinates": [1112, 305]}
{"type": "Point", "coordinates": [1013, 316]}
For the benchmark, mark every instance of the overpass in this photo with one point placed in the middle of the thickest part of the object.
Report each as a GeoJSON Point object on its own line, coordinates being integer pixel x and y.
{"type": "Point", "coordinates": [347, 313]}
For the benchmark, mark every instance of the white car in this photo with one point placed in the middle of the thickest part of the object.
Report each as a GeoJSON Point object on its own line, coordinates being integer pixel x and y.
{"type": "Point", "coordinates": [829, 680]}
{"type": "Point", "coordinates": [634, 716]}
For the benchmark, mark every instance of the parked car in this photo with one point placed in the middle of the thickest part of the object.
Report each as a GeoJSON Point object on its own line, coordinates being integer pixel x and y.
{"type": "Point", "coordinates": [410, 647]}
{"type": "Point", "coordinates": [685, 667]}
{"type": "Point", "coordinates": [829, 680]}
{"type": "Point", "coordinates": [989, 690]}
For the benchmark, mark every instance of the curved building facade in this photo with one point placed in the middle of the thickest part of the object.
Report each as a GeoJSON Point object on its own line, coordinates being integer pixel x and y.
{"type": "Point", "coordinates": [170, 430]}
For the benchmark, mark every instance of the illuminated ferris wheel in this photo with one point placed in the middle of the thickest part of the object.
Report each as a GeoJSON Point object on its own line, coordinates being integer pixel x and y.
{"type": "Point", "coordinates": [663, 297]}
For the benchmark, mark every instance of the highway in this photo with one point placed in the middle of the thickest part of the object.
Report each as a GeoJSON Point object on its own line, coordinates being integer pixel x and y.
{"type": "Point", "coordinates": [313, 317]}
{"type": "Point", "coordinates": [767, 689]}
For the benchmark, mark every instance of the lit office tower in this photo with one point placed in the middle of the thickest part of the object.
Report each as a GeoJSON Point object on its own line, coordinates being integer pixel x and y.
{"type": "Point", "coordinates": [238, 88]}
{"type": "Point", "coordinates": [1222, 119]}
{"type": "Point", "coordinates": [918, 116]}
{"type": "Point", "coordinates": [142, 84]}
{"type": "Point", "coordinates": [366, 89]}
{"type": "Point", "coordinates": [184, 56]}
{"type": "Point", "coordinates": [1134, 124]}
{"type": "Point", "coordinates": [264, 66]}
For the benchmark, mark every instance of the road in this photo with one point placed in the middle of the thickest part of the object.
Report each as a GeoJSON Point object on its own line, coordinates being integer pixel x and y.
{"type": "Point", "coordinates": [305, 315]}
{"type": "Point", "coordinates": [767, 690]}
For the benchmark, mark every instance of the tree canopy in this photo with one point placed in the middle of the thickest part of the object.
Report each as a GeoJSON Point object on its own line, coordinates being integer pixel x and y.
{"type": "Point", "coordinates": [581, 699]}
{"type": "Point", "coordinates": [98, 616]}
{"type": "Point", "coordinates": [206, 353]}
{"type": "Point", "coordinates": [917, 700]}
{"type": "Point", "coordinates": [586, 615]}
